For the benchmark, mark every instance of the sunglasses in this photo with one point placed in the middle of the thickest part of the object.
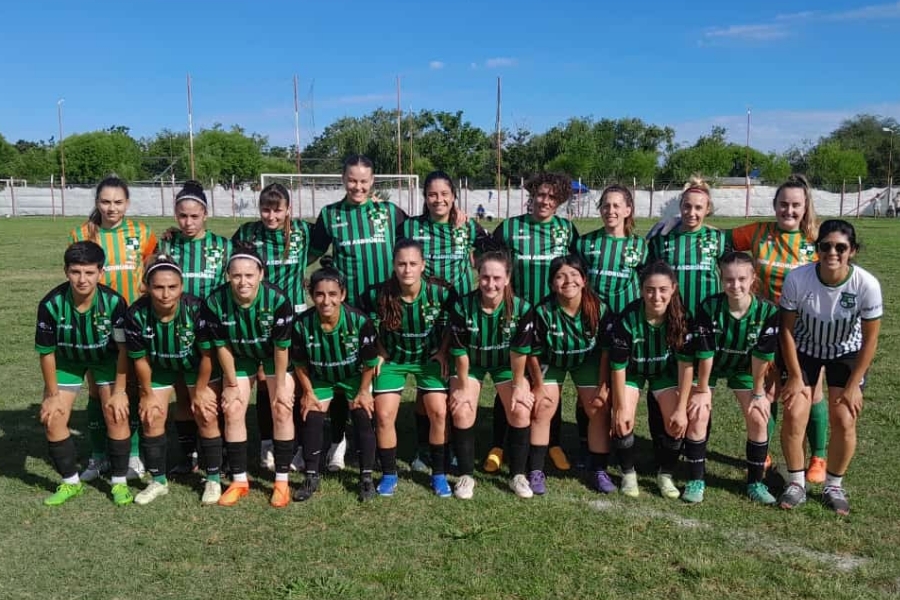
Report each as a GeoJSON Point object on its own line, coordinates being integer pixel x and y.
{"type": "Point", "coordinates": [826, 247]}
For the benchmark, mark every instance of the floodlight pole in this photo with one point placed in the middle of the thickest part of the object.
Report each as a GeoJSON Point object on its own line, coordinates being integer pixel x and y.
{"type": "Point", "coordinates": [62, 157]}
{"type": "Point", "coordinates": [890, 166]}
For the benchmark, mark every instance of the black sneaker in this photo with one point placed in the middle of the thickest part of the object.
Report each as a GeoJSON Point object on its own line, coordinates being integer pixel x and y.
{"type": "Point", "coordinates": [308, 487]}
{"type": "Point", "coordinates": [835, 498]}
{"type": "Point", "coordinates": [366, 488]}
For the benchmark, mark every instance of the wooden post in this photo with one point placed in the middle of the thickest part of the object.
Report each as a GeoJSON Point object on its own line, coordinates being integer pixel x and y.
{"type": "Point", "coordinates": [52, 198]}
{"type": "Point", "coordinates": [12, 196]}
{"type": "Point", "coordinates": [233, 215]}
{"type": "Point", "coordinates": [212, 198]}
{"type": "Point", "coordinates": [651, 197]}
{"type": "Point", "coordinates": [843, 191]}
{"type": "Point", "coordinates": [858, 197]}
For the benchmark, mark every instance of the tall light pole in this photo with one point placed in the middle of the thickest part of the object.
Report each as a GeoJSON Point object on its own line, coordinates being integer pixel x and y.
{"type": "Point", "coordinates": [62, 156]}
{"type": "Point", "coordinates": [890, 166]}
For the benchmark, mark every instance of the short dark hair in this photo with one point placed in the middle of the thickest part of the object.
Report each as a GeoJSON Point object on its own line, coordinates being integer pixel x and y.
{"type": "Point", "coordinates": [838, 226]}
{"type": "Point", "coordinates": [84, 253]}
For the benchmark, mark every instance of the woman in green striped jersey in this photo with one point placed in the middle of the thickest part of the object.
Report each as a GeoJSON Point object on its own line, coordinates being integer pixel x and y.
{"type": "Point", "coordinates": [737, 337]}
{"type": "Point", "coordinates": [491, 334]}
{"type": "Point", "coordinates": [651, 342]}
{"type": "Point", "coordinates": [249, 324]}
{"type": "Point", "coordinates": [79, 329]}
{"type": "Point", "coordinates": [410, 312]}
{"type": "Point", "coordinates": [161, 332]}
{"type": "Point", "coordinates": [334, 348]}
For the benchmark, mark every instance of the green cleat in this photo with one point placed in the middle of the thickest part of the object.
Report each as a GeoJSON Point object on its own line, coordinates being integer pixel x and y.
{"type": "Point", "coordinates": [63, 493]}
{"type": "Point", "coordinates": [759, 493]}
{"type": "Point", "coordinates": [693, 491]}
{"type": "Point", "coordinates": [121, 494]}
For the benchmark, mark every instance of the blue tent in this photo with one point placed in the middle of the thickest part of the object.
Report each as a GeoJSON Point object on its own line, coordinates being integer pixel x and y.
{"type": "Point", "coordinates": [579, 188]}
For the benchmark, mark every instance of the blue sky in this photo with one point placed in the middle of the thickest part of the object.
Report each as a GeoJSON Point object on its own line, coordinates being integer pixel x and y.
{"type": "Point", "coordinates": [801, 66]}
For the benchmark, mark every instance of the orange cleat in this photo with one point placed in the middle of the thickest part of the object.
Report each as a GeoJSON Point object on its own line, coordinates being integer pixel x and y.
{"type": "Point", "coordinates": [281, 495]}
{"type": "Point", "coordinates": [559, 458]}
{"type": "Point", "coordinates": [494, 460]}
{"type": "Point", "coordinates": [235, 492]}
{"type": "Point", "coordinates": [815, 473]}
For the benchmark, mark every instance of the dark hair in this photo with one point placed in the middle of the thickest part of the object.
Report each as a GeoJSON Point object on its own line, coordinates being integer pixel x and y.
{"type": "Point", "coordinates": [387, 303]}
{"type": "Point", "coordinates": [808, 223]}
{"type": "Point", "coordinates": [560, 186]}
{"type": "Point", "coordinates": [618, 188]}
{"type": "Point", "coordinates": [245, 250]}
{"type": "Point", "coordinates": [838, 226]}
{"type": "Point", "coordinates": [162, 262]}
{"type": "Point", "coordinates": [356, 160]}
{"type": "Point", "coordinates": [676, 318]}
{"type": "Point", "coordinates": [84, 253]}
{"type": "Point", "coordinates": [272, 196]}
{"type": "Point", "coordinates": [95, 219]}
{"type": "Point", "coordinates": [503, 257]}
{"type": "Point", "coordinates": [326, 272]}
{"type": "Point", "coordinates": [440, 176]}
{"type": "Point", "coordinates": [740, 258]}
{"type": "Point", "coordinates": [192, 190]}
{"type": "Point", "coordinates": [590, 301]}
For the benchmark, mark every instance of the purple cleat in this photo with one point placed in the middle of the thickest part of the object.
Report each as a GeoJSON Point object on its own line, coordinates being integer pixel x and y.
{"type": "Point", "coordinates": [536, 482]}
{"type": "Point", "coordinates": [603, 483]}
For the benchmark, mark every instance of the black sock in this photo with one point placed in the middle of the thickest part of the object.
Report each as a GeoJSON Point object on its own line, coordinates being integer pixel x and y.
{"type": "Point", "coordinates": [556, 426]}
{"type": "Point", "coordinates": [313, 434]}
{"type": "Point", "coordinates": [388, 458]}
{"type": "Point", "coordinates": [655, 423]}
{"type": "Point", "coordinates": [438, 456]}
{"type": "Point", "coordinates": [695, 456]}
{"type": "Point", "coordinates": [423, 431]}
{"type": "Point", "coordinates": [211, 455]}
{"type": "Point", "coordinates": [264, 421]}
{"type": "Point", "coordinates": [625, 451]}
{"type": "Point", "coordinates": [62, 455]}
{"type": "Point", "coordinates": [118, 451]}
{"type": "Point", "coordinates": [338, 410]}
{"type": "Point", "coordinates": [582, 422]}
{"type": "Point", "coordinates": [500, 424]}
{"type": "Point", "coordinates": [668, 454]}
{"type": "Point", "coordinates": [154, 451]}
{"type": "Point", "coordinates": [518, 449]}
{"type": "Point", "coordinates": [365, 439]}
{"type": "Point", "coordinates": [537, 457]}
{"type": "Point", "coordinates": [756, 460]}
{"type": "Point", "coordinates": [237, 456]}
{"type": "Point", "coordinates": [599, 461]}
{"type": "Point", "coordinates": [187, 437]}
{"type": "Point", "coordinates": [464, 446]}
{"type": "Point", "coordinates": [298, 419]}
{"type": "Point", "coordinates": [283, 450]}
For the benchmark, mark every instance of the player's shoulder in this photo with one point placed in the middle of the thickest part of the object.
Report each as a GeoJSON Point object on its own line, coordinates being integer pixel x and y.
{"type": "Point", "coordinates": [110, 294]}
{"type": "Point", "coordinates": [58, 292]}
{"type": "Point", "coordinates": [864, 278]}
{"type": "Point", "coordinates": [354, 316]}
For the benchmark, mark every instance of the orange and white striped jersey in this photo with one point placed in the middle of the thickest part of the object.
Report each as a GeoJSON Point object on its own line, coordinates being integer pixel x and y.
{"type": "Point", "coordinates": [776, 252]}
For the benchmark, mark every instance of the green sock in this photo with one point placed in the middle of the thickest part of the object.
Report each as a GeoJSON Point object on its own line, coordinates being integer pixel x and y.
{"type": "Point", "coordinates": [216, 478]}
{"type": "Point", "coordinates": [160, 479]}
{"type": "Point", "coordinates": [817, 429]}
{"type": "Point", "coordinates": [134, 423]}
{"type": "Point", "coordinates": [136, 442]}
{"type": "Point", "coordinates": [96, 428]}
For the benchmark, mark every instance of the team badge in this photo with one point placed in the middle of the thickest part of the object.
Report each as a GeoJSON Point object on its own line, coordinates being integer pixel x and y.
{"type": "Point", "coordinates": [378, 215]}
{"type": "Point", "coordinates": [186, 337]}
{"type": "Point", "coordinates": [102, 323]}
{"type": "Point", "coordinates": [132, 243]}
{"type": "Point", "coordinates": [709, 247]}
{"type": "Point", "coordinates": [213, 258]}
{"type": "Point", "coordinates": [631, 257]}
{"type": "Point", "coordinates": [848, 300]}
{"type": "Point", "coordinates": [430, 313]}
{"type": "Point", "coordinates": [460, 237]}
{"type": "Point", "coordinates": [560, 237]}
{"type": "Point", "coordinates": [350, 341]}
{"type": "Point", "coordinates": [807, 250]}
{"type": "Point", "coordinates": [297, 241]}
{"type": "Point", "coordinates": [265, 320]}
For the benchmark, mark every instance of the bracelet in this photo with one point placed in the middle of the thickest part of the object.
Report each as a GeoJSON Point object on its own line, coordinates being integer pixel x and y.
{"type": "Point", "coordinates": [757, 396]}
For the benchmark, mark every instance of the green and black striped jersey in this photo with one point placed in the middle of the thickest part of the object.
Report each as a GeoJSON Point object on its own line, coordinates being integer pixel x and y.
{"type": "Point", "coordinates": [203, 261]}
{"type": "Point", "coordinates": [335, 355]}
{"type": "Point", "coordinates": [172, 345]}
{"type": "Point", "coordinates": [533, 246]}
{"type": "Point", "coordinates": [693, 255]}
{"type": "Point", "coordinates": [448, 249]}
{"type": "Point", "coordinates": [641, 348]}
{"type": "Point", "coordinates": [286, 272]}
{"type": "Point", "coordinates": [251, 332]}
{"type": "Point", "coordinates": [422, 324]}
{"type": "Point", "coordinates": [82, 337]}
{"type": "Point", "coordinates": [361, 237]}
{"type": "Point", "coordinates": [489, 338]}
{"type": "Point", "coordinates": [730, 341]}
{"type": "Point", "coordinates": [614, 265]}
{"type": "Point", "coordinates": [564, 341]}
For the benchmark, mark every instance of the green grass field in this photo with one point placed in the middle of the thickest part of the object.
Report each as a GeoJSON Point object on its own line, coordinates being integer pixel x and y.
{"type": "Point", "coordinates": [570, 544]}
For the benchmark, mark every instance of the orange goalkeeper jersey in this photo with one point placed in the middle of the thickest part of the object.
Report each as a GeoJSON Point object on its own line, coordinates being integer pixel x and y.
{"type": "Point", "coordinates": [776, 252]}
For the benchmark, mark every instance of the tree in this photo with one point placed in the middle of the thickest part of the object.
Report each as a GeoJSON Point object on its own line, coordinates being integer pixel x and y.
{"type": "Point", "coordinates": [8, 157]}
{"type": "Point", "coordinates": [710, 157]}
{"type": "Point", "coordinates": [865, 133]}
{"type": "Point", "coordinates": [92, 156]}
{"type": "Point", "coordinates": [163, 154]}
{"type": "Point", "coordinates": [775, 170]}
{"type": "Point", "coordinates": [453, 144]}
{"type": "Point", "coordinates": [222, 155]}
{"type": "Point", "coordinates": [831, 164]}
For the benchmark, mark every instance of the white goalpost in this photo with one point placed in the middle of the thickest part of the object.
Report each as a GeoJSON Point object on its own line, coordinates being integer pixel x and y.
{"type": "Point", "coordinates": [311, 191]}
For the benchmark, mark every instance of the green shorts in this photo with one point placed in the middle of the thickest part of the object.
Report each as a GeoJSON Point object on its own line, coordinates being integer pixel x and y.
{"type": "Point", "coordinates": [324, 390]}
{"type": "Point", "coordinates": [249, 367]}
{"type": "Point", "coordinates": [736, 382]}
{"type": "Point", "coordinates": [393, 377]}
{"type": "Point", "coordinates": [498, 374]}
{"type": "Point", "coordinates": [71, 374]}
{"type": "Point", "coordinates": [163, 378]}
{"type": "Point", "coordinates": [661, 382]}
{"type": "Point", "coordinates": [585, 375]}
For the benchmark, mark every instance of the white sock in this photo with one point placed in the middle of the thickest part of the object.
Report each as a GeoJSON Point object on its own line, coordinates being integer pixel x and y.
{"type": "Point", "coordinates": [280, 476]}
{"type": "Point", "coordinates": [239, 477]}
{"type": "Point", "coordinates": [116, 480]}
{"type": "Point", "coordinates": [798, 477]}
{"type": "Point", "coordinates": [73, 480]}
{"type": "Point", "coordinates": [833, 480]}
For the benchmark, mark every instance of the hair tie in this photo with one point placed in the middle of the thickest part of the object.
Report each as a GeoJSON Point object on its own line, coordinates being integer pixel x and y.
{"type": "Point", "coordinates": [696, 189]}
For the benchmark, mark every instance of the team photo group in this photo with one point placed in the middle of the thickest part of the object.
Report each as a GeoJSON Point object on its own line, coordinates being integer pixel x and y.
{"type": "Point", "coordinates": [776, 310]}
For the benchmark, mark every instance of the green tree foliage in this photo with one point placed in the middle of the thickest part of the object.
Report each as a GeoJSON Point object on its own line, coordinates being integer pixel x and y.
{"type": "Point", "coordinates": [220, 155]}
{"type": "Point", "coordinates": [8, 158]}
{"type": "Point", "coordinates": [92, 156]}
{"type": "Point", "coordinates": [831, 164]}
{"type": "Point", "coordinates": [865, 133]}
{"type": "Point", "coordinates": [164, 154]}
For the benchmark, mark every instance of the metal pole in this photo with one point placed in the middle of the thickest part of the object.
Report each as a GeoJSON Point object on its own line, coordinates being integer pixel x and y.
{"type": "Point", "coordinates": [62, 157]}
{"type": "Point", "coordinates": [297, 198]}
{"type": "Point", "coordinates": [52, 197]}
{"type": "Point", "coordinates": [190, 123]}
{"type": "Point", "coordinates": [747, 169]}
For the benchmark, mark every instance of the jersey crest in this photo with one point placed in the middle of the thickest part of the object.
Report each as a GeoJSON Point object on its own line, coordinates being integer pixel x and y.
{"type": "Point", "coordinates": [102, 323]}
{"type": "Point", "coordinates": [848, 300]}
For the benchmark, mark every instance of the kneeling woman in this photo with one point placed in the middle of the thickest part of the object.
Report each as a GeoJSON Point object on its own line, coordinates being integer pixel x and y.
{"type": "Point", "coordinates": [334, 348]}
{"type": "Point", "coordinates": [566, 330]}
{"type": "Point", "coordinates": [161, 332]}
{"type": "Point", "coordinates": [411, 312]}
{"type": "Point", "coordinates": [491, 334]}
{"type": "Point", "coordinates": [650, 342]}
{"type": "Point", "coordinates": [250, 324]}
{"type": "Point", "coordinates": [737, 333]}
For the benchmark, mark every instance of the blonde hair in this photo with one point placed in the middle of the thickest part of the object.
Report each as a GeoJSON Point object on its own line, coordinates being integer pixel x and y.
{"type": "Point", "coordinates": [696, 183]}
{"type": "Point", "coordinates": [809, 224]}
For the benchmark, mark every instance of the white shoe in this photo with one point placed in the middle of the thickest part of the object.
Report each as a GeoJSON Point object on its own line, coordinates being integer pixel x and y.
{"type": "Point", "coordinates": [136, 468]}
{"type": "Point", "coordinates": [335, 457]}
{"type": "Point", "coordinates": [629, 485]}
{"type": "Point", "coordinates": [212, 491]}
{"type": "Point", "coordinates": [95, 468]}
{"type": "Point", "coordinates": [297, 463]}
{"type": "Point", "coordinates": [464, 488]}
{"type": "Point", "coordinates": [150, 493]}
{"type": "Point", "coordinates": [267, 455]}
{"type": "Point", "coordinates": [519, 484]}
{"type": "Point", "coordinates": [666, 485]}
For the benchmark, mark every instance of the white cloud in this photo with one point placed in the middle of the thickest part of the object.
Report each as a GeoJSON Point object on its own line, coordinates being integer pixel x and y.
{"type": "Point", "coordinates": [435, 65]}
{"type": "Point", "coordinates": [499, 62]}
{"type": "Point", "coordinates": [770, 31]}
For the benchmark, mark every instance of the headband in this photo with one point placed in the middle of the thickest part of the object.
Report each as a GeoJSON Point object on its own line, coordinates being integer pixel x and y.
{"type": "Point", "coordinates": [234, 257]}
{"type": "Point", "coordinates": [162, 265]}
{"type": "Point", "coordinates": [190, 197]}
{"type": "Point", "coordinates": [696, 189]}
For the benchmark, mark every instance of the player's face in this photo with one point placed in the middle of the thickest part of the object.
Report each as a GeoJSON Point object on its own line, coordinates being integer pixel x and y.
{"type": "Point", "coordinates": [358, 180]}
{"type": "Point", "coordinates": [409, 266]}
{"type": "Point", "coordinates": [83, 278]}
{"type": "Point", "coordinates": [544, 203]}
{"type": "Point", "coordinates": [112, 204]}
{"type": "Point", "coordinates": [327, 298]}
{"type": "Point", "coordinates": [614, 210]}
{"type": "Point", "coordinates": [165, 290]}
{"type": "Point", "coordinates": [244, 275]}
{"type": "Point", "coordinates": [492, 280]}
{"type": "Point", "coordinates": [737, 279]}
{"type": "Point", "coordinates": [835, 251]}
{"type": "Point", "coordinates": [694, 208]}
{"type": "Point", "coordinates": [568, 282]}
{"type": "Point", "coordinates": [790, 206]}
{"type": "Point", "coordinates": [439, 197]}
{"type": "Point", "coordinates": [191, 217]}
{"type": "Point", "coordinates": [657, 292]}
{"type": "Point", "coordinates": [273, 216]}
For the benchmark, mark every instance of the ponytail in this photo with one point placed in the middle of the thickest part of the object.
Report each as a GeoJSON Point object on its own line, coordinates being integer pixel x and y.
{"type": "Point", "coordinates": [387, 304]}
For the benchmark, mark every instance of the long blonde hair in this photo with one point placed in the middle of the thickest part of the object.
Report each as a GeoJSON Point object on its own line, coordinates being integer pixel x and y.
{"type": "Point", "coordinates": [809, 224]}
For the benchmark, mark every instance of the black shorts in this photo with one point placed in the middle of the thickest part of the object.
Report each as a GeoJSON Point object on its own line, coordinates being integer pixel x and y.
{"type": "Point", "coordinates": [837, 370]}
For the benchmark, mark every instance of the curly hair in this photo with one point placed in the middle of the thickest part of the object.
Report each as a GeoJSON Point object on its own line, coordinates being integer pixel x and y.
{"type": "Point", "coordinates": [560, 186]}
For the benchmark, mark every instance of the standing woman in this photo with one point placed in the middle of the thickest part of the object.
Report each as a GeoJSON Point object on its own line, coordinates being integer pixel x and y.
{"type": "Point", "coordinates": [651, 342]}
{"type": "Point", "coordinates": [250, 325]}
{"type": "Point", "coordinates": [830, 318]}
{"type": "Point", "coordinates": [127, 245]}
{"type": "Point", "coordinates": [161, 330]}
{"type": "Point", "coordinates": [334, 347]}
{"type": "Point", "coordinates": [567, 328]}
{"type": "Point", "coordinates": [737, 337]}
{"type": "Point", "coordinates": [492, 331]}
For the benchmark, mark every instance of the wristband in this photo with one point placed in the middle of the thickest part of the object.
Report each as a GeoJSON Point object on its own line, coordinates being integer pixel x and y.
{"type": "Point", "coordinates": [757, 396]}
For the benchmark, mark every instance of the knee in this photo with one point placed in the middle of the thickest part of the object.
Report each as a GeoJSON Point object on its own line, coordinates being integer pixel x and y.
{"type": "Point", "coordinates": [545, 409]}
{"type": "Point", "coordinates": [841, 420]}
{"type": "Point", "coordinates": [437, 412]}
{"type": "Point", "coordinates": [234, 412]}
{"type": "Point", "coordinates": [520, 417]}
{"type": "Point", "coordinates": [282, 413]}
{"type": "Point", "coordinates": [464, 417]}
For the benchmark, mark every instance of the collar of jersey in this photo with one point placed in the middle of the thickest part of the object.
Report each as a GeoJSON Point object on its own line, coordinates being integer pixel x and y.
{"type": "Point", "coordinates": [71, 298]}
{"type": "Point", "coordinates": [337, 325]}
{"type": "Point", "coordinates": [839, 283]}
